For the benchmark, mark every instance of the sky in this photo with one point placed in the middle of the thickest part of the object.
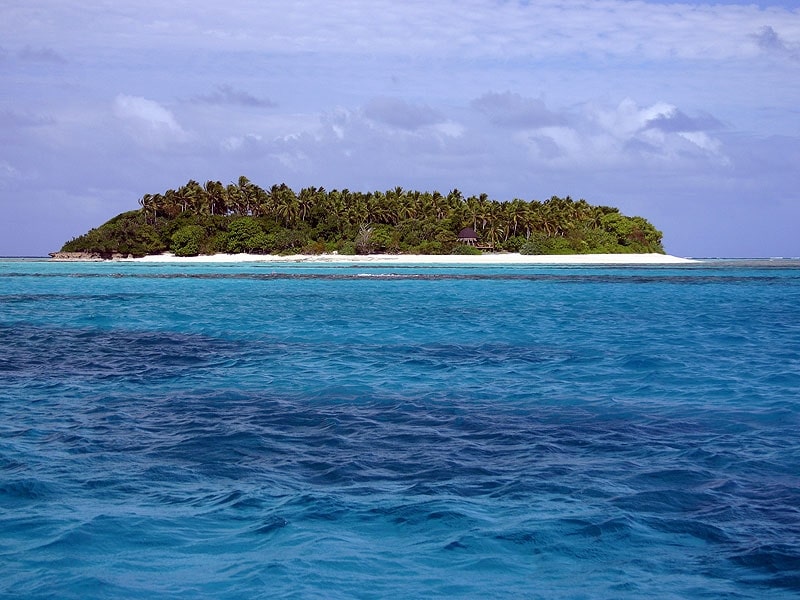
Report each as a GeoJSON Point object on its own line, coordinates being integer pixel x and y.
{"type": "Point", "coordinates": [687, 114]}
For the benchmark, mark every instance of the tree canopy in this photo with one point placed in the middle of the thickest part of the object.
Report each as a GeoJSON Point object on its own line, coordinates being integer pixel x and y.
{"type": "Point", "coordinates": [243, 217]}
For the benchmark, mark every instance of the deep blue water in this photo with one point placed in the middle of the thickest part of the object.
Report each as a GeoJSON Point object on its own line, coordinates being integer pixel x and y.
{"type": "Point", "coordinates": [277, 431]}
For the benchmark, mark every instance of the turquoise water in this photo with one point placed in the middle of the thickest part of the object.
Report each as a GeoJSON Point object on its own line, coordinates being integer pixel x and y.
{"type": "Point", "coordinates": [332, 431]}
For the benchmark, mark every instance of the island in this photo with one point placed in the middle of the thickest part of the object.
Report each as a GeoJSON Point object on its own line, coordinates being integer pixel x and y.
{"type": "Point", "coordinates": [213, 218]}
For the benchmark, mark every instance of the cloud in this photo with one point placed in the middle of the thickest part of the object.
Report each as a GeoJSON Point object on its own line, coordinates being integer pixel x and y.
{"type": "Point", "coordinates": [479, 155]}
{"type": "Point", "coordinates": [16, 127]}
{"type": "Point", "coordinates": [512, 110]}
{"type": "Point", "coordinates": [249, 144]}
{"type": "Point", "coordinates": [146, 111]}
{"type": "Point", "coordinates": [659, 132]}
{"type": "Point", "coordinates": [7, 172]}
{"type": "Point", "coordinates": [704, 142]}
{"type": "Point", "coordinates": [593, 136]}
{"type": "Point", "coordinates": [474, 28]}
{"type": "Point", "coordinates": [42, 55]}
{"type": "Point", "coordinates": [226, 95]}
{"type": "Point", "coordinates": [11, 119]}
{"type": "Point", "coordinates": [769, 41]}
{"type": "Point", "coordinates": [147, 121]}
{"type": "Point", "coordinates": [627, 119]}
{"type": "Point", "coordinates": [399, 113]}
{"type": "Point", "coordinates": [677, 121]}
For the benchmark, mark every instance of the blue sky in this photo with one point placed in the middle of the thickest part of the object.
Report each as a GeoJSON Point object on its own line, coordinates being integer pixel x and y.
{"type": "Point", "coordinates": [685, 113]}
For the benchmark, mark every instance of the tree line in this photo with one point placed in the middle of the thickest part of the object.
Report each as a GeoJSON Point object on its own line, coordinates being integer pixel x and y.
{"type": "Point", "coordinates": [243, 217]}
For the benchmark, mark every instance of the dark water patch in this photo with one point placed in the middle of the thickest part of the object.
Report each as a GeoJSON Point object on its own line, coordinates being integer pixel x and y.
{"type": "Point", "coordinates": [779, 564]}
{"type": "Point", "coordinates": [456, 545]}
{"type": "Point", "coordinates": [21, 490]}
{"type": "Point", "coordinates": [568, 278]}
{"type": "Point", "coordinates": [687, 478]}
{"type": "Point", "coordinates": [705, 532]}
{"type": "Point", "coordinates": [520, 538]}
{"type": "Point", "coordinates": [73, 298]}
{"type": "Point", "coordinates": [40, 353]}
{"type": "Point", "coordinates": [617, 526]}
{"type": "Point", "coordinates": [666, 501]}
{"type": "Point", "coordinates": [271, 526]}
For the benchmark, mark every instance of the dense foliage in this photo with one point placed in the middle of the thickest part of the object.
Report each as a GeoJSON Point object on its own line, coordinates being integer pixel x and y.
{"type": "Point", "coordinates": [242, 217]}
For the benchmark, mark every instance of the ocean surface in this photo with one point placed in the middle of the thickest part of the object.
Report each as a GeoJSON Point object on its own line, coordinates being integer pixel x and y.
{"type": "Point", "coordinates": [339, 431]}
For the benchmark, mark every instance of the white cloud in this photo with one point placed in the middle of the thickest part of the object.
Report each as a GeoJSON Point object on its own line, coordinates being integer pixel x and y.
{"type": "Point", "coordinates": [705, 142]}
{"type": "Point", "coordinates": [593, 135]}
{"type": "Point", "coordinates": [578, 139]}
{"type": "Point", "coordinates": [146, 111]}
{"type": "Point", "coordinates": [148, 122]}
{"type": "Point", "coordinates": [7, 172]}
{"type": "Point", "coordinates": [450, 129]}
{"type": "Point", "coordinates": [628, 118]}
{"type": "Point", "coordinates": [462, 28]}
{"type": "Point", "coordinates": [656, 131]}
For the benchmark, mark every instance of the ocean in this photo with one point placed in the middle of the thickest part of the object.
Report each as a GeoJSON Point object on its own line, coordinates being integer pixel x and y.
{"type": "Point", "coordinates": [364, 431]}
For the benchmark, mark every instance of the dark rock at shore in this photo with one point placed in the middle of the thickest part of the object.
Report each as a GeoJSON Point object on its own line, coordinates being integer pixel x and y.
{"type": "Point", "coordinates": [83, 256]}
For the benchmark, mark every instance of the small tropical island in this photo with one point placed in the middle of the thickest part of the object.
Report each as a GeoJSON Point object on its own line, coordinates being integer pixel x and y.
{"type": "Point", "coordinates": [241, 217]}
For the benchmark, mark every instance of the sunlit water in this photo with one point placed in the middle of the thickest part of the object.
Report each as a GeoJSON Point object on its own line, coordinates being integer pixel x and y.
{"type": "Point", "coordinates": [269, 431]}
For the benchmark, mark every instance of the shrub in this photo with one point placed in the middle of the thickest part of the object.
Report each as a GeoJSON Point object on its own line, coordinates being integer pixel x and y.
{"type": "Point", "coordinates": [346, 248]}
{"type": "Point", "coordinates": [464, 249]}
{"type": "Point", "coordinates": [187, 240]}
{"type": "Point", "coordinates": [512, 244]}
{"type": "Point", "coordinates": [243, 236]}
{"type": "Point", "coordinates": [541, 244]}
{"type": "Point", "coordinates": [317, 247]}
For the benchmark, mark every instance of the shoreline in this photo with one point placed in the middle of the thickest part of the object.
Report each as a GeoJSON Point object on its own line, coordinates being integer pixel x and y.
{"type": "Point", "coordinates": [416, 259]}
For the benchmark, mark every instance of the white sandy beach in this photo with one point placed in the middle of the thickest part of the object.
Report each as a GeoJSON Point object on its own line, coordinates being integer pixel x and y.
{"type": "Point", "coordinates": [439, 259]}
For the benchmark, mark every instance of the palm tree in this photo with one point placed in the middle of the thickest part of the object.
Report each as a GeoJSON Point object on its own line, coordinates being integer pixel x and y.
{"type": "Point", "coordinates": [516, 214]}
{"type": "Point", "coordinates": [148, 206]}
{"type": "Point", "coordinates": [395, 208]}
{"type": "Point", "coordinates": [216, 198]}
{"type": "Point", "coordinates": [236, 202]}
{"type": "Point", "coordinates": [407, 207]}
{"type": "Point", "coordinates": [306, 201]}
{"type": "Point", "coordinates": [455, 199]}
{"type": "Point", "coordinates": [242, 197]}
{"type": "Point", "coordinates": [497, 224]}
{"type": "Point", "coordinates": [287, 208]}
{"type": "Point", "coordinates": [358, 209]}
{"type": "Point", "coordinates": [482, 212]}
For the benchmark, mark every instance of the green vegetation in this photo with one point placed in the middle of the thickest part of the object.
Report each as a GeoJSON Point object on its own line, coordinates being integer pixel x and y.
{"type": "Point", "coordinates": [242, 217]}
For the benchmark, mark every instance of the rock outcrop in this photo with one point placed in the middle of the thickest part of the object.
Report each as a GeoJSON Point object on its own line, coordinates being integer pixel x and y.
{"type": "Point", "coordinates": [83, 256]}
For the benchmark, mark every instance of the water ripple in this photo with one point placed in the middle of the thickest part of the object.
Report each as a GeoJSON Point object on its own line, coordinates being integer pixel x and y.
{"type": "Point", "coordinates": [326, 438]}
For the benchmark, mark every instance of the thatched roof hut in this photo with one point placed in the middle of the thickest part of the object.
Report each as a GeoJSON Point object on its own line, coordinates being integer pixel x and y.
{"type": "Point", "coordinates": [468, 236]}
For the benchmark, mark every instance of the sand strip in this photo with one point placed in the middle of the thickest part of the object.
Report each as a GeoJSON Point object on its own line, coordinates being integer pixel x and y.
{"type": "Point", "coordinates": [423, 259]}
